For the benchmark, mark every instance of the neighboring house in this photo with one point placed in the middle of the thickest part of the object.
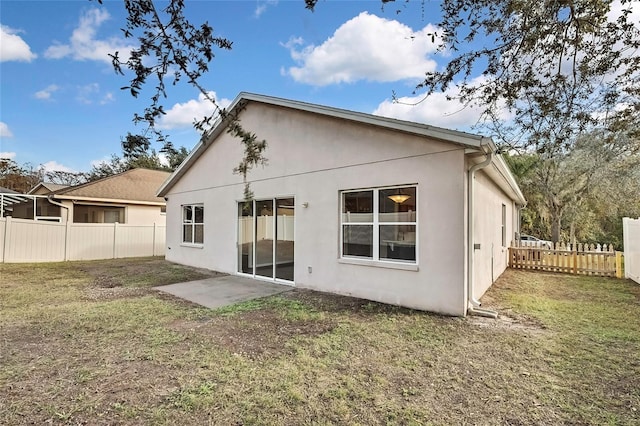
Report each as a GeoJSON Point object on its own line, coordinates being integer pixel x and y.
{"type": "Point", "coordinates": [128, 197]}
{"type": "Point", "coordinates": [348, 203]}
{"type": "Point", "coordinates": [46, 188]}
{"type": "Point", "coordinates": [7, 199]}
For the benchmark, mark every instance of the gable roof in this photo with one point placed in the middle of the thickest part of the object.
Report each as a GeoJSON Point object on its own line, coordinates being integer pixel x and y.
{"type": "Point", "coordinates": [137, 186]}
{"type": "Point", "coordinates": [48, 187]}
{"type": "Point", "coordinates": [475, 143]}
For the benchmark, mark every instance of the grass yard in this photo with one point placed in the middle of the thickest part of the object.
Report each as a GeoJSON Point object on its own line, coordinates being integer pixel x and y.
{"type": "Point", "coordinates": [91, 343]}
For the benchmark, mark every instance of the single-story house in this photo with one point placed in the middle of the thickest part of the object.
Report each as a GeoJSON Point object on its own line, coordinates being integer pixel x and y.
{"type": "Point", "coordinates": [128, 198]}
{"type": "Point", "coordinates": [348, 203]}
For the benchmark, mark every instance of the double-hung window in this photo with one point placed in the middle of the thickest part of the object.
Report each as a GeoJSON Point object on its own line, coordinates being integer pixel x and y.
{"type": "Point", "coordinates": [193, 224]}
{"type": "Point", "coordinates": [379, 224]}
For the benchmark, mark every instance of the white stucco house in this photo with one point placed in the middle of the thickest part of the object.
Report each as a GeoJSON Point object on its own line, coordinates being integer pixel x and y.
{"type": "Point", "coordinates": [349, 203]}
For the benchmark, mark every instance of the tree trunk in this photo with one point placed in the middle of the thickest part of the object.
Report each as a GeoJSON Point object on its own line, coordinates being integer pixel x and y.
{"type": "Point", "coordinates": [572, 233]}
{"type": "Point", "coordinates": [556, 222]}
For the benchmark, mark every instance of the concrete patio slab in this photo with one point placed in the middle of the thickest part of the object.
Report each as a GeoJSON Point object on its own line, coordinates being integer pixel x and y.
{"type": "Point", "coordinates": [223, 291]}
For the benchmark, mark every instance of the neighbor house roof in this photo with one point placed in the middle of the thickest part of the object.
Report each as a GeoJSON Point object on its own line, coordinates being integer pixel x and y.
{"type": "Point", "coordinates": [474, 143]}
{"type": "Point", "coordinates": [4, 190]}
{"type": "Point", "coordinates": [138, 186]}
{"type": "Point", "coordinates": [44, 188]}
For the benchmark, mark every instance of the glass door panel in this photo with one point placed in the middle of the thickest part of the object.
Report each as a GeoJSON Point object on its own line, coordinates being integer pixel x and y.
{"type": "Point", "coordinates": [245, 238]}
{"type": "Point", "coordinates": [265, 228]}
{"type": "Point", "coordinates": [285, 215]}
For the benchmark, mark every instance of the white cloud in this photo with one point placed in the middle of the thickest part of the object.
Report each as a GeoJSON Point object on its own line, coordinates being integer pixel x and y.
{"type": "Point", "coordinates": [97, 163]}
{"type": "Point", "coordinates": [439, 109]}
{"type": "Point", "coordinates": [366, 47]}
{"type": "Point", "coordinates": [13, 47]}
{"type": "Point", "coordinates": [4, 130]}
{"type": "Point", "coordinates": [52, 166]}
{"type": "Point", "coordinates": [90, 94]}
{"type": "Point", "coordinates": [46, 93]}
{"type": "Point", "coordinates": [262, 7]}
{"type": "Point", "coordinates": [83, 44]}
{"type": "Point", "coordinates": [7, 155]}
{"type": "Point", "coordinates": [183, 115]}
{"type": "Point", "coordinates": [107, 98]}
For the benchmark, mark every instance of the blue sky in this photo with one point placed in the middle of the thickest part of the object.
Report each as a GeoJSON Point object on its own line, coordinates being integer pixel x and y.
{"type": "Point", "coordinates": [61, 104]}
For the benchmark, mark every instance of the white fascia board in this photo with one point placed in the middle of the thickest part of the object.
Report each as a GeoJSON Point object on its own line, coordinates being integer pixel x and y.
{"type": "Point", "coordinates": [105, 200]}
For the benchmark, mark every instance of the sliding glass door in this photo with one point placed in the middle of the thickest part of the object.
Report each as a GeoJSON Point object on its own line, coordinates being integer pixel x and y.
{"type": "Point", "coordinates": [266, 238]}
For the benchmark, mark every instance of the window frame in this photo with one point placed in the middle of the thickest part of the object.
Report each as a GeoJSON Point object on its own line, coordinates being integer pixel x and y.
{"type": "Point", "coordinates": [504, 225]}
{"type": "Point", "coordinates": [193, 224]}
{"type": "Point", "coordinates": [376, 223]}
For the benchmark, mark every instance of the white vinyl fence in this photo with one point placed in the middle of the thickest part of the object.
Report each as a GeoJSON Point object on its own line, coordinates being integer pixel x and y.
{"type": "Point", "coordinates": [631, 236]}
{"type": "Point", "coordinates": [23, 240]}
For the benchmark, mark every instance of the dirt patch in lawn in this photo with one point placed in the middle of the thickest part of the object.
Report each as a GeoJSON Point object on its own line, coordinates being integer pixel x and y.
{"type": "Point", "coordinates": [256, 334]}
{"type": "Point", "coordinates": [145, 272]}
{"type": "Point", "coordinates": [334, 303]}
{"type": "Point", "coordinates": [96, 293]}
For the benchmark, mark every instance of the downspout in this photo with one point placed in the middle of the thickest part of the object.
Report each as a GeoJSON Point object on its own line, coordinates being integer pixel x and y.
{"type": "Point", "coordinates": [55, 203]}
{"type": "Point", "coordinates": [473, 305]}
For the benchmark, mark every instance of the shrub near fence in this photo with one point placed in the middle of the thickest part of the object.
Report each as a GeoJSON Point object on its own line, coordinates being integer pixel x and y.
{"type": "Point", "coordinates": [583, 259]}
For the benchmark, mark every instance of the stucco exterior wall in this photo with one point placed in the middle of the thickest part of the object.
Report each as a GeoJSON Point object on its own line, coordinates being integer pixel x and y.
{"type": "Point", "coordinates": [313, 158]}
{"type": "Point", "coordinates": [491, 259]}
{"type": "Point", "coordinates": [144, 215]}
{"type": "Point", "coordinates": [133, 214]}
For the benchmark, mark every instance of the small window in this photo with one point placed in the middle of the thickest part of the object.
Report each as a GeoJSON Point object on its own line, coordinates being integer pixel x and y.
{"type": "Point", "coordinates": [379, 224]}
{"type": "Point", "coordinates": [193, 224]}
{"type": "Point", "coordinates": [504, 225]}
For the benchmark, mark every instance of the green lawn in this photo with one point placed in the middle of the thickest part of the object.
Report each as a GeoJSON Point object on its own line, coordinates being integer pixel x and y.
{"type": "Point", "coordinates": [90, 343]}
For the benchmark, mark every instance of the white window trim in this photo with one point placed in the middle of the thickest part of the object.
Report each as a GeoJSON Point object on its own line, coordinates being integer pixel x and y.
{"type": "Point", "coordinates": [503, 227]}
{"type": "Point", "coordinates": [375, 260]}
{"type": "Point", "coordinates": [183, 223]}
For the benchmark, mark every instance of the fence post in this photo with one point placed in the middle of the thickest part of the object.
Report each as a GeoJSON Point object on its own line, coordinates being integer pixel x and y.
{"type": "Point", "coordinates": [153, 240]}
{"type": "Point", "coordinates": [115, 239]}
{"type": "Point", "coordinates": [619, 271]}
{"type": "Point", "coordinates": [67, 239]}
{"type": "Point", "coordinates": [7, 230]}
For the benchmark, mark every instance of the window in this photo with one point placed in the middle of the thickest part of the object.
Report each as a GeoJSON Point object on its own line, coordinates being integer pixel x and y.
{"type": "Point", "coordinates": [379, 224]}
{"type": "Point", "coordinates": [193, 224]}
{"type": "Point", "coordinates": [504, 225]}
{"type": "Point", "coordinates": [97, 214]}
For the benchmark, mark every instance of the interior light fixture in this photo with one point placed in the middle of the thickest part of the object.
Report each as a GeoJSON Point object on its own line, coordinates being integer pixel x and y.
{"type": "Point", "coordinates": [399, 198]}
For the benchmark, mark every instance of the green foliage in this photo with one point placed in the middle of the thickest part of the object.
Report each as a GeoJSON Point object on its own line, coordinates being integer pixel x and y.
{"type": "Point", "coordinates": [171, 47]}
{"type": "Point", "coordinates": [561, 67]}
{"type": "Point", "coordinates": [582, 193]}
{"type": "Point", "coordinates": [175, 157]}
{"type": "Point", "coordinates": [253, 152]}
{"type": "Point", "coordinates": [137, 153]}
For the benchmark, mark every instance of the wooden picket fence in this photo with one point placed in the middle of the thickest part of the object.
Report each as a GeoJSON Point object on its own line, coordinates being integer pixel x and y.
{"type": "Point", "coordinates": [583, 259]}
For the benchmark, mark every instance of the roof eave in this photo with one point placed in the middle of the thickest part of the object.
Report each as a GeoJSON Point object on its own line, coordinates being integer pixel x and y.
{"type": "Point", "coordinates": [68, 197]}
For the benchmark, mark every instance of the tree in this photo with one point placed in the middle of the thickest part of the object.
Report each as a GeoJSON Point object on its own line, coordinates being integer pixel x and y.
{"type": "Point", "coordinates": [65, 178]}
{"type": "Point", "coordinates": [578, 194]}
{"type": "Point", "coordinates": [561, 67]}
{"type": "Point", "coordinates": [169, 47]}
{"type": "Point", "coordinates": [175, 157]}
{"type": "Point", "coordinates": [136, 152]}
{"type": "Point", "coordinates": [19, 178]}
